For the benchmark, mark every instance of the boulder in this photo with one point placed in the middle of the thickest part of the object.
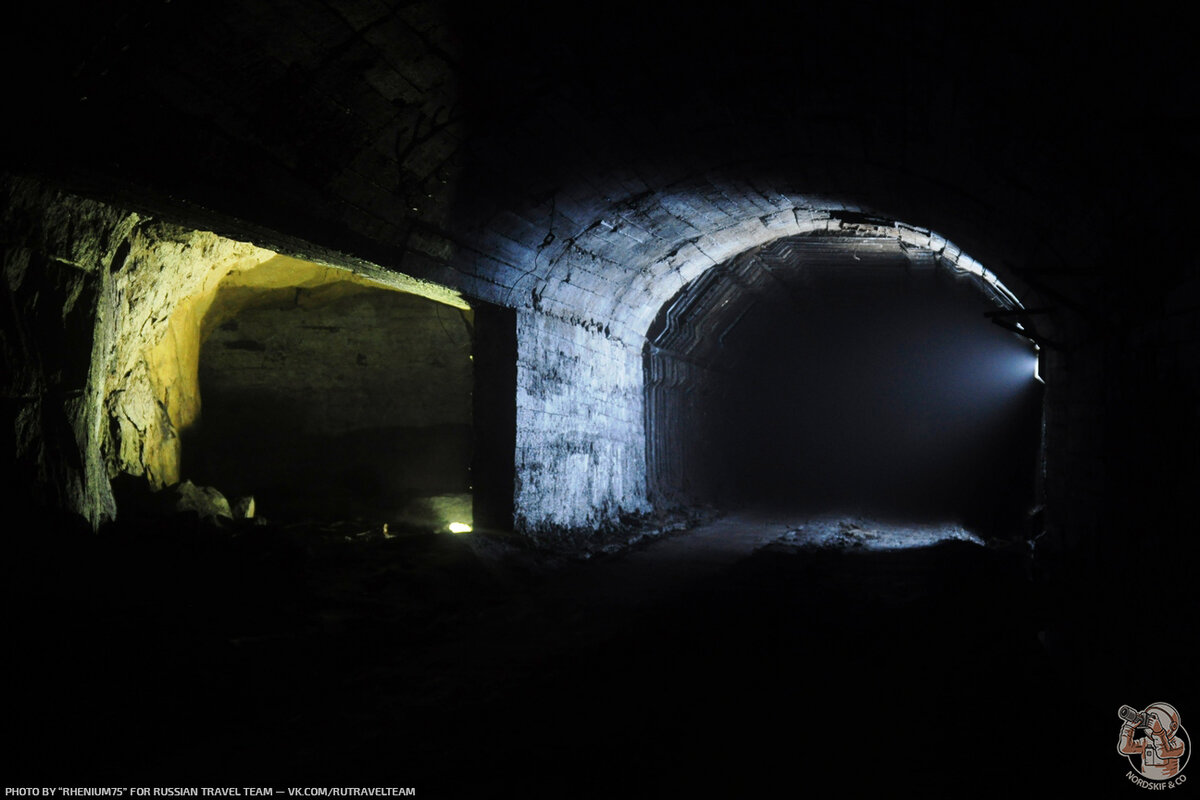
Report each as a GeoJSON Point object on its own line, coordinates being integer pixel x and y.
{"type": "Point", "coordinates": [244, 508]}
{"type": "Point", "coordinates": [204, 500]}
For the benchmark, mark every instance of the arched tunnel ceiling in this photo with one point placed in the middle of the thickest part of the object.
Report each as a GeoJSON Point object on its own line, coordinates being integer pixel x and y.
{"type": "Point", "coordinates": [631, 299]}
{"type": "Point", "coordinates": [695, 323]}
{"type": "Point", "coordinates": [563, 159]}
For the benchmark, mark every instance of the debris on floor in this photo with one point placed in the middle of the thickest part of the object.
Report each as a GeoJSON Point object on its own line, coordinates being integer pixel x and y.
{"type": "Point", "coordinates": [850, 534]}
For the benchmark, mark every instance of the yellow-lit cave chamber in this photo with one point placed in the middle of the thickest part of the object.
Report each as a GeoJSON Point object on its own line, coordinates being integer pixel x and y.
{"type": "Point", "coordinates": [326, 397]}
{"type": "Point", "coordinates": [323, 394]}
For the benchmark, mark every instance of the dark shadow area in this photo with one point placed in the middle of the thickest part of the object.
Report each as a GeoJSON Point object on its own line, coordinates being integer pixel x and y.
{"type": "Point", "coordinates": [495, 416]}
{"type": "Point", "coordinates": [886, 396]}
{"type": "Point", "coordinates": [867, 387]}
{"type": "Point", "coordinates": [332, 407]}
{"type": "Point", "coordinates": [183, 655]}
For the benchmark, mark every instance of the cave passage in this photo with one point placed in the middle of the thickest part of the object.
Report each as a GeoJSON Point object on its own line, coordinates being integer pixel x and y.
{"type": "Point", "coordinates": [336, 401]}
{"type": "Point", "coordinates": [853, 382]}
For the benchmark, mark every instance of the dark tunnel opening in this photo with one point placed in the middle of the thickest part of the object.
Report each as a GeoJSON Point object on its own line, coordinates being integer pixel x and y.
{"type": "Point", "coordinates": [335, 402]}
{"type": "Point", "coordinates": [845, 376]}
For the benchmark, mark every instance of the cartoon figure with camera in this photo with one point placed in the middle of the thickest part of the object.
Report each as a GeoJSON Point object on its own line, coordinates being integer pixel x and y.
{"type": "Point", "coordinates": [1161, 747]}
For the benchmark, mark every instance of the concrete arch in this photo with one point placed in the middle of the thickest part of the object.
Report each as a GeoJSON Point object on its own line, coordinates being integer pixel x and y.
{"type": "Point", "coordinates": [807, 221]}
{"type": "Point", "coordinates": [613, 265]}
{"type": "Point", "coordinates": [581, 426]}
{"type": "Point", "coordinates": [687, 354]}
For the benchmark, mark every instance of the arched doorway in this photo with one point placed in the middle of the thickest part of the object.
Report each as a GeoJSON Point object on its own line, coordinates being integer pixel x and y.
{"type": "Point", "coordinates": [849, 374]}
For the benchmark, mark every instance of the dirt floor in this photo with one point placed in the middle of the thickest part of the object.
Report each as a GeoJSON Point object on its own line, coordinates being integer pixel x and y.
{"type": "Point", "coordinates": [754, 655]}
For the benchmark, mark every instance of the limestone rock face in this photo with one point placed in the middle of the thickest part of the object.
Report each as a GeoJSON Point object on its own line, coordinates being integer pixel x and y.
{"type": "Point", "coordinates": [101, 330]}
{"type": "Point", "coordinates": [163, 290]}
{"type": "Point", "coordinates": [56, 325]}
{"type": "Point", "coordinates": [100, 341]}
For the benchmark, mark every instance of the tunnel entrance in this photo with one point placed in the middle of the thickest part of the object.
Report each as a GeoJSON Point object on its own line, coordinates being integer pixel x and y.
{"type": "Point", "coordinates": [328, 397]}
{"type": "Point", "coordinates": [847, 375]}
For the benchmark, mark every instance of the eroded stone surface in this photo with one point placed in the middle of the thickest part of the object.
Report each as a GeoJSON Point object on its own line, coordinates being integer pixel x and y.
{"type": "Point", "coordinates": [163, 292]}
{"type": "Point", "coordinates": [103, 332]}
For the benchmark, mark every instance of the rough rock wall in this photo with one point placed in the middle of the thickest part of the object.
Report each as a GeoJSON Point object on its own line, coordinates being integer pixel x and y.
{"type": "Point", "coordinates": [580, 458]}
{"type": "Point", "coordinates": [101, 330]}
{"type": "Point", "coordinates": [161, 295]}
{"type": "Point", "coordinates": [57, 324]}
{"type": "Point", "coordinates": [100, 366]}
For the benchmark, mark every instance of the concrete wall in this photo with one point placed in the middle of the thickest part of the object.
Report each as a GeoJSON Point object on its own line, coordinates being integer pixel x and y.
{"type": "Point", "coordinates": [580, 457]}
{"type": "Point", "coordinates": [675, 419]}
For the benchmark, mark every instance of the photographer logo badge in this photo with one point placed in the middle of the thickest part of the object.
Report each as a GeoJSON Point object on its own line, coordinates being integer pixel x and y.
{"type": "Point", "coordinates": [1156, 744]}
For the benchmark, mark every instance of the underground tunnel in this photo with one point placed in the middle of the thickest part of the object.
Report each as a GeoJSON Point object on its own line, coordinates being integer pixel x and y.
{"type": "Point", "coordinates": [834, 364]}
{"type": "Point", "coordinates": [852, 375]}
{"type": "Point", "coordinates": [672, 305]}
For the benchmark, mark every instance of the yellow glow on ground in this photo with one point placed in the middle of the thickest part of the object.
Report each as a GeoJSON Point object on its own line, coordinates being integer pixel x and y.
{"type": "Point", "coordinates": [459, 527]}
